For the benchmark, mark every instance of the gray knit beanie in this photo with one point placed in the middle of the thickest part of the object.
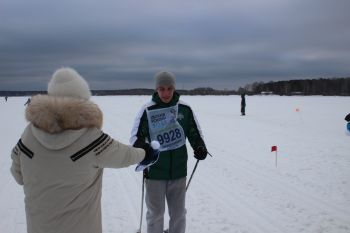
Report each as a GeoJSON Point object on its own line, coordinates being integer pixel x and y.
{"type": "Point", "coordinates": [165, 78]}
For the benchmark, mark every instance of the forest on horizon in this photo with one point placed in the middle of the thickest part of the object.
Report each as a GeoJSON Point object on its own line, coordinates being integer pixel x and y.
{"type": "Point", "coordinates": [321, 86]}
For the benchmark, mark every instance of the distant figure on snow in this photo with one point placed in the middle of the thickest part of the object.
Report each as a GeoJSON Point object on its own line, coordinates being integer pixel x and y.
{"type": "Point", "coordinates": [6, 98]}
{"type": "Point", "coordinates": [243, 104]}
{"type": "Point", "coordinates": [28, 102]}
{"type": "Point", "coordinates": [61, 156]}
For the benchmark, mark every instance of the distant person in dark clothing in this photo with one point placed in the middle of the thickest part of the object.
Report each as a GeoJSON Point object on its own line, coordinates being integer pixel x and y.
{"type": "Point", "coordinates": [347, 118]}
{"type": "Point", "coordinates": [243, 104]}
{"type": "Point", "coordinates": [28, 102]}
{"type": "Point", "coordinates": [6, 98]}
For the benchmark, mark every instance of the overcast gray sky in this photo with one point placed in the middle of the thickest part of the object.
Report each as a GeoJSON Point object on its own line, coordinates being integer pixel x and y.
{"type": "Point", "coordinates": [206, 43]}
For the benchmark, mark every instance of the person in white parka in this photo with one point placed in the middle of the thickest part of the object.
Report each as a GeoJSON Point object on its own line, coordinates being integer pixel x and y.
{"type": "Point", "coordinates": [61, 155]}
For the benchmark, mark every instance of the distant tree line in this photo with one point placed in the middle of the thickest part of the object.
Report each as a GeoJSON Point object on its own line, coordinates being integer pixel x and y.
{"type": "Point", "coordinates": [334, 86]}
{"type": "Point", "coordinates": [196, 91]}
{"type": "Point", "coordinates": [207, 91]}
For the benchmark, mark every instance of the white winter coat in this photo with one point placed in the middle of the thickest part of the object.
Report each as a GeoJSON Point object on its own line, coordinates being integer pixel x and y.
{"type": "Point", "coordinates": [59, 160]}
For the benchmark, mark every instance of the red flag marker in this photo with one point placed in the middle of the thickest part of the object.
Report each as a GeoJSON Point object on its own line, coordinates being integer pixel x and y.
{"type": "Point", "coordinates": [273, 148]}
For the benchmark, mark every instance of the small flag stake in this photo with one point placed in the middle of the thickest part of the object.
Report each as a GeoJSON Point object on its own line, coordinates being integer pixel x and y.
{"type": "Point", "coordinates": [274, 148]}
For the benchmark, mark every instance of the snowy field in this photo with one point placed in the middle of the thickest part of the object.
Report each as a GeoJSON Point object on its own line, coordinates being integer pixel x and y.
{"type": "Point", "coordinates": [240, 189]}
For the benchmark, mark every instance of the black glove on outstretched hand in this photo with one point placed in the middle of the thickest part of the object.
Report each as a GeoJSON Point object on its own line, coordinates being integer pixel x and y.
{"type": "Point", "coordinates": [200, 153]}
{"type": "Point", "coordinates": [151, 154]}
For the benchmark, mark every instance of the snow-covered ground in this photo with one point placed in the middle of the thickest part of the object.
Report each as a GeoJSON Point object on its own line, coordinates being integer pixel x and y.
{"type": "Point", "coordinates": [239, 190]}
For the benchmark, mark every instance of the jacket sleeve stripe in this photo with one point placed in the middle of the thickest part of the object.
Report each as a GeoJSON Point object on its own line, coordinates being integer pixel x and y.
{"type": "Point", "coordinates": [90, 147]}
{"type": "Point", "coordinates": [25, 149]}
{"type": "Point", "coordinates": [136, 126]}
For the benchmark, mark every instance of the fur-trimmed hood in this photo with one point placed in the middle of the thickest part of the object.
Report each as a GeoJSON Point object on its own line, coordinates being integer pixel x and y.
{"type": "Point", "coordinates": [57, 114]}
{"type": "Point", "coordinates": [57, 122]}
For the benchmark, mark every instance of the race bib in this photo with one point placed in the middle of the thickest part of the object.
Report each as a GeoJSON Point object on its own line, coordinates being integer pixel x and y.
{"type": "Point", "coordinates": [164, 128]}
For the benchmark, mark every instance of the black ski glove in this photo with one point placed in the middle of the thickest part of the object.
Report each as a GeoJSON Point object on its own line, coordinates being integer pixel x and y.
{"type": "Point", "coordinates": [151, 154]}
{"type": "Point", "coordinates": [200, 153]}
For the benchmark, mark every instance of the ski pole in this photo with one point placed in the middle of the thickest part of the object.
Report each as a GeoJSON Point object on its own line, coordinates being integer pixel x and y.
{"type": "Point", "coordinates": [194, 169]}
{"type": "Point", "coordinates": [142, 197]}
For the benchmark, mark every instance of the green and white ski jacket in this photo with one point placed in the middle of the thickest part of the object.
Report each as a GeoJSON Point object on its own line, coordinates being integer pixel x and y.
{"type": "Point", "coordinates": [171, 164]}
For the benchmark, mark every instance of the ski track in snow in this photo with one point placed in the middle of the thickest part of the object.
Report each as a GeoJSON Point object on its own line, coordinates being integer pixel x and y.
{"type": "Point", "coordinates": [292, 199]}
{"type": "Point", "coordinates": [239, 189]}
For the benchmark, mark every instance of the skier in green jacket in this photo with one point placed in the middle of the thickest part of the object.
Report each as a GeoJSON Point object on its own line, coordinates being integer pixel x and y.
{"type": "Point", "coordinates": [169, 121]}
